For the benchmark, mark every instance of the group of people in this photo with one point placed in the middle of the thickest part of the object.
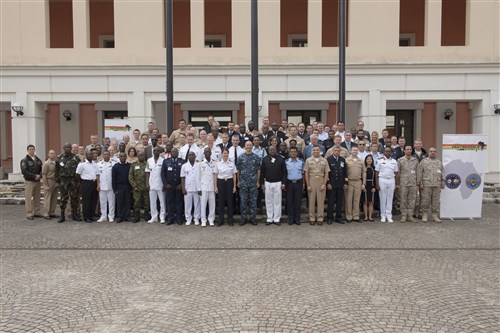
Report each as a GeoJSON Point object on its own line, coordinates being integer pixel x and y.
{"type": "Point", "coordinates": [187, 176]}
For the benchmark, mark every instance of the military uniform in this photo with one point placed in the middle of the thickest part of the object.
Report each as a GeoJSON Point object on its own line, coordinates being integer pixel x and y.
{"type": "Point", "coordinates": [248, 165]}
{"type": "Point", "coordinates": [407, 186]}
{"type": "Point", "coordinates": [174, 137]}
{"type": "Point", "coordinates": [68, 186]}
{"type": "Point", "coordinates": [171, 175]}
{"type": "Point", "coordinates": [337, 179]}
{"type": "Point", "coordinates": [315, 170]}
{"type": "Point", "coordinates": [430, 175]}
{"type": "Point", "coordinates": [50, 195]}
{"type": "Point", "coordinates": [137, 179]}
{"type": "Point", "coordinates": [355, 174]}
{"type": "Point", "coordinates": [387, 169]}
{"type": "Point", "coordinates": [343, 152]}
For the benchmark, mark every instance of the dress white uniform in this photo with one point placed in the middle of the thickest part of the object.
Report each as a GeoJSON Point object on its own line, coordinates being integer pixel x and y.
{"type": "Point", "coordinates": [207, 192]}
{"type": "Point", "coordinates": [156, 189]}
{"type": "Point", "coordinates": [387, 168]}
{"type": "Point", "coordinates": [192, 184]}
{"type": "Point", "coordinates": [106, 194]}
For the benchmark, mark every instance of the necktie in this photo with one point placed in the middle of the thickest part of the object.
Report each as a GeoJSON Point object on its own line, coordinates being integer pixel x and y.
{"type": "Point", "coordinates": [189, 148]}
{"type": "Point", "coordinates": [235, 155]}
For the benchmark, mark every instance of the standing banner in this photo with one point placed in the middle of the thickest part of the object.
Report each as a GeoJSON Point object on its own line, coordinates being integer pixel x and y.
{"type": "Point", "coordinates": [465, 158]}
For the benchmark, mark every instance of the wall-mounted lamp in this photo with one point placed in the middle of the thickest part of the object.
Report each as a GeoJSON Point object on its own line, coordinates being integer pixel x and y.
{"type": "Point", "coordinates": [67, 115]}
{"type": "Point", "coordinates": [18, 109]}
{"type": "Point", "coordinates": [448, 114]}
{"type": "Point", "coordinates": [496, 108]}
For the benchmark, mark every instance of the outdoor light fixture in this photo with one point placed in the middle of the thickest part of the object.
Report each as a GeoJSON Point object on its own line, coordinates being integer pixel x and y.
{"type": "Point", "coordinates": [497, 108]}
{"type": "Point", "coordinates": [67, 115]}
{"type": "Point", "coordinates": [448, 114]}
{"type": "Point", "coordinates": [18, 109]}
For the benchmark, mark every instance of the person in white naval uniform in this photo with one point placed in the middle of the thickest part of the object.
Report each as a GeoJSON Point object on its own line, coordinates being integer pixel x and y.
{"type": "Point", "coordinates": [155, 184]}
{"type": "Point", "coordinates": [105, 188]}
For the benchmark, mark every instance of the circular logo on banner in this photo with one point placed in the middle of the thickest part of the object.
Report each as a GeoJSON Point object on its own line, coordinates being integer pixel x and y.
{"type": "Point", "coordinates": [473, 181]}
{"type": "Point", "coordinates": [452, 181]}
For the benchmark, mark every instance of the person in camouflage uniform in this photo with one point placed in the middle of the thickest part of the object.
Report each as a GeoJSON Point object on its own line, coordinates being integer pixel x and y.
{"type": "Point", "coordinates": [248, 166]}
{"type": "Point", "coordinates": [137, 179]}
{"type": "Point", "coordinates": [430, 179]}
{"type": "Point", "coordinates": [66, 164]}
{"type": "Point", "coordinates": [407, 166]}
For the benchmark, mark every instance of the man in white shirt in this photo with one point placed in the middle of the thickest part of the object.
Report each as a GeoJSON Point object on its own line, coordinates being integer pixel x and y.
{"type": "Point", "coordinates": [207, 188]}
{"type": "Point", "coordinates": [155, 184]}
{"type": "Point", "coordinates": [362, 150]}
{"type": "Point", "coordinates": [322, 135]}
{"type": "Point", "coordinates": [105, 188]}
{"type": "Point", "coordinates": [341, 130]}
{"type": "Point", "coordinates": [191, 188]}
{"type": "Point", "coordinates": [86, 174]}
{"type": "Point", "coordinates": [190, 146]}
{"type": "Point", "coordinates": [235, 150]}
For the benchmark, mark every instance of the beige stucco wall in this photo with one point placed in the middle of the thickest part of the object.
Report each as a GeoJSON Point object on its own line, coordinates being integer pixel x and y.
{"type": "Point", "coordinates": [373, 36]}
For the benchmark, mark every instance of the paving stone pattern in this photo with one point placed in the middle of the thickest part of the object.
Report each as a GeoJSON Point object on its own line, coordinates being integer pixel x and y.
{"type": "Point", "coordinates": [369, 277]}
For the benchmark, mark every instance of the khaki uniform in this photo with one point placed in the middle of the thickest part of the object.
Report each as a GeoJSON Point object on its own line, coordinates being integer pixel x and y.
{"type": "Point", "coordinates": [315, 171]}
{"type": "Point", "coordinates": [407, 184]}
{"type": "Point", "coordinates": [355, 174]}
{"type": "Point", "coordinates": [50, 195]}
{"type": "Point", "coordinates": [300, 143]}
{"type": "Point", "coordinates": [430, 174]}
{"type": "Point", "coordinates": [343, 152]}
{"type": "Point", "coordinates": [174, 137]}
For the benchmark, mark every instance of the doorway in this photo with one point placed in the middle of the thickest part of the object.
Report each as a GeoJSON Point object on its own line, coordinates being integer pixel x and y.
{"type": "Point", "coordinates": [306, 117]}
{"type": "Point", "coordinates": [401, 123]}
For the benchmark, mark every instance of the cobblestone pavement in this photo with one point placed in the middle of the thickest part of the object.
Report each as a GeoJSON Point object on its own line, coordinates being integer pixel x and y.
{"type": "Point", "coordinates": [369, 277]}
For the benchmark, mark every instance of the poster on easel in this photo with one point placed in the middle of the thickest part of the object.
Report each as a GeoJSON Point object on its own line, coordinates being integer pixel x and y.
{"type": "Point", "coordinates": [115, 129]}
{"type": "Point", "coordinates": [465, 158]}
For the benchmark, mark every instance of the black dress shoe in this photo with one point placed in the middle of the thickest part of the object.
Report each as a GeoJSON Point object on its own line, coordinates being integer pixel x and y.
{"type": "Point", "coordinates": [291, 222]}
{"type": "Point", "coordinates": [253, 222]}
{"type": "Point", "coordinates": [278, 223]}
{"type": "Point", "coordinates": [54, 215]}
{"type": "Point", "coordinates": [269, 223]}
{"type": "Point", "coordinates": [93, 219]}
{"type": "Point", "coordinates": [340, 221]}
{"type": "Point", "coordinates": [231, 223]}
{"type": "Point", "coordinates": [120, 220]}
{"type": "Point", "coordinates": [329, 221]}
{"type": "Point", "coordinates": [220, 224]}
{"type": "Point", "coordinates": [359, 221]}
{"type": "Point", "coordinates": [180, 223]}
{"type": "Point", "coordinates": [170, 222]}
{"type": "Point", "coordinates": [297, 222]}
{"type": "Point", "coordinates": [243, 222]}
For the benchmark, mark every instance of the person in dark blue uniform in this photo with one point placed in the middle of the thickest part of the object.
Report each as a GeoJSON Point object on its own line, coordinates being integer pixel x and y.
{"type": "Point", "coordinates": [122, 189]}
{"type": "Point", "coordinates": [171, 177]}
{"type": "Point", "coordinates": [336, 186]}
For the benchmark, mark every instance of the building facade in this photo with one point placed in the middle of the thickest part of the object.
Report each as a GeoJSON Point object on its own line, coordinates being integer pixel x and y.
{"type": "Point", "coordinates": [408, 62]}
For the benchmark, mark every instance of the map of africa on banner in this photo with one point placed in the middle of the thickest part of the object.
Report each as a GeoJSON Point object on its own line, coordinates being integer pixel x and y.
{"type": "Point", "coordinates": [464, 158]}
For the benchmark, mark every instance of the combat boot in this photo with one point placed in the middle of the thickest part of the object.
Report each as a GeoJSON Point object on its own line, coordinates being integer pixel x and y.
{"type": "Point", "coordinates": [410, 218]}
{"type": "Point", "coordinates": [137, 216]}
{"type": "Point", "coordinates": [436, 218]}
{"type": "Point", "coordinates": [62, 218]}
{"type": "Point", "coordinates": [403, 219]}
{"type": "Point", "coordinates": [75, 216]}
{"type": "Point", "coordinates": [424, 217]}
{"type": "Point", "coordinates": [147, 216]}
